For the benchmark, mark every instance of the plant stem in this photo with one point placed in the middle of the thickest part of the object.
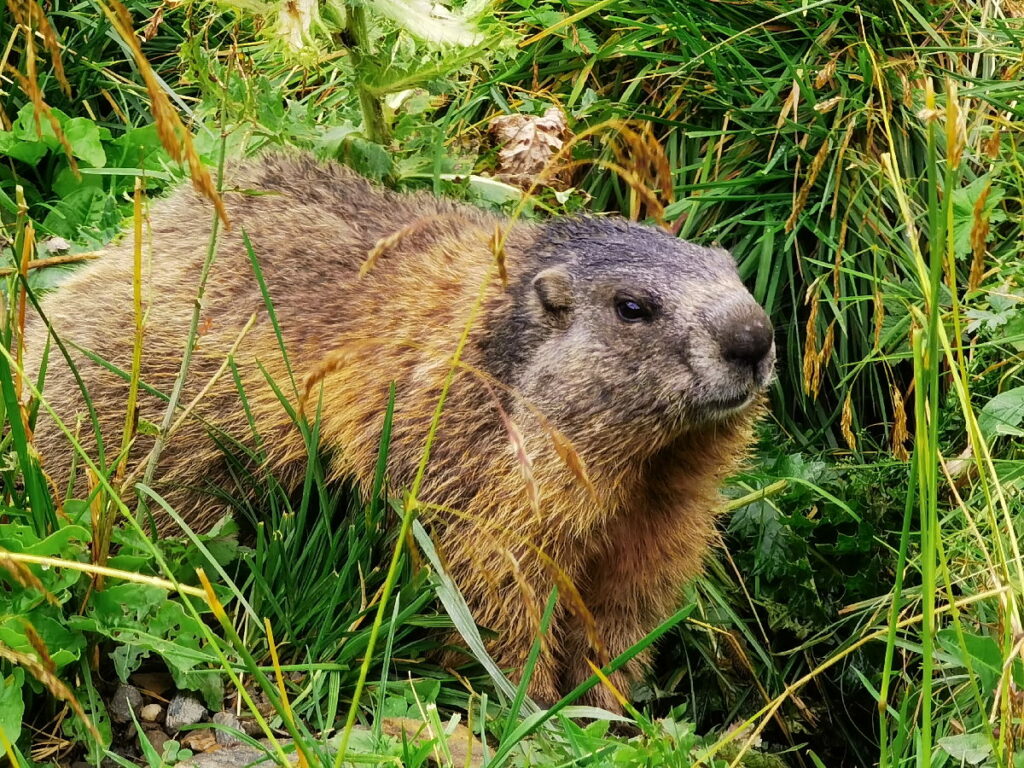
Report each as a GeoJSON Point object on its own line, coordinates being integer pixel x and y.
{"type": "Point", "coordinates": [358, 43]}
{"type": "Point", "coordinates": [190, 343]}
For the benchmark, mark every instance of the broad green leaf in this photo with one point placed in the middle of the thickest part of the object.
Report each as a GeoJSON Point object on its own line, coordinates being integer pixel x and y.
{"type": "Point", "coordinates": [1003, 414]}
{"type": "Point", "coordinates": [96, 711]}
{"type": "Point", "coordinates": [25, 127]}
{"type": "Point", "coordinates": [984, 656]}
{"type": "Point", "coordinates": [81, 208]}
{"type": "Point", "coordinates": [369, 159]}
{"type": "Point", "coordinates": [30, 152]}
{"type": "Point", "coordinates": [139, 148]}
{"type": "Point", "coordinates": [84, 137]}
{"type": "Point", "coordinates": [12, 704]}
{"type": "Point", "coordinates": [970, 748]}
{"type": "Point", "coordinates": [66, 183]}
{"type": "Point", "coordinates": [965, 200]}
{"type": "Point", "coordinates": [431, 22]}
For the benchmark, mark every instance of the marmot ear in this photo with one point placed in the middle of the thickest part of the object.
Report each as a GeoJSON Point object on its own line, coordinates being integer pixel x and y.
{"type": "Point", "coordinates": [554, 289]}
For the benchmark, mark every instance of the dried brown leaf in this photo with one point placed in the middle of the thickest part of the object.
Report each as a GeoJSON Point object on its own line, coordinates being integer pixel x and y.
{"type": "Point", "coordinates": [153, 25]}
{"type": "Point", "coordinates": [990, 147]}
{"type": "Point", "coordinates": [527, 144]}
{"type": "Point", "coordinates": [827, 73]}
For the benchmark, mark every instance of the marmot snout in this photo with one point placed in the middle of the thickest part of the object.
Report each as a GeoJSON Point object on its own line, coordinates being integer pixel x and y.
{"type": "Point", "coordinates": [643, 353]}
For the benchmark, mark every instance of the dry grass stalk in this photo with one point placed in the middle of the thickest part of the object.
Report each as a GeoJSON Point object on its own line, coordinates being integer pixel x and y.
{"type": "Point", "coordinates": [30, 87]}
{"type": "Point", "coordinates": [643, 154]}
{"type": "Point", "coordinates": [38, 669]}
{"type": "Point", "coordinates": [39, 647]}
{"type": "Point", "coordinates": [626, 172]}
{"type": "Point", "coordinates": [978, 238]}
{"type": "Point", "coordinates": [800, 199]}
{"type": "Point", "coordinates": [388, 242]}
{"type": "Point", "coordinates": [114, 573]}
{"type": "Point", "coordinates": [846, 421]}
{"type": "Point", "coordinates": [572, 460]}
{"type": "Point", "coordinates": [956, 127]}
{"type": "Point", "coordinates": [900, 435]}
{"type": "Point", "coordinates": [811, 371]}
{"type": "Point", "coordinates": [879, 303]}
{"type": "Point", "coordinates": [531, 602]}
{"type": "Point", "coordinates": [337, 358]}
{"type": "Point", "coordinates": [27, 247]}
{"type": "Point", "coordinates": [32, 17]}
{"type": "Point", "coordinates": [522, 456]}
{"type": "Point", "coordinates": [825, 353]}
{"type": "Point", "coordinates": [497, 246]}
{"type": "Point", "coordinates": [24, 577]}
{"type": "Point", "coordinates": [623, 701]}
{"type": "Point", "coordinates": [173, 135]}
{"type": "Point", "coordinates": [52, 261]}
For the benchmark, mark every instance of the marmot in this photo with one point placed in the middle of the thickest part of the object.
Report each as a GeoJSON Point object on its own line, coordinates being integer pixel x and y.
{"type": "Point", "coordinates": [644, 352]}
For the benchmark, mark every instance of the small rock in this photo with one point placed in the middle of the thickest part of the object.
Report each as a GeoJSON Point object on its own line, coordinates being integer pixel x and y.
{"type": "Point", "coordinates": [126, 699]}
{"type": "Point", "coordinates": [234, 757]}
{"type": "Point", "coordinates": [150, 713]}
{"type": "Point", "coordinates": [157, 738]}
{"type": "Point", "coordinates": [56, 244]}
{"type": "Point", "coordinates": [183, 710]}
{"type": "Point", "coordinates": [204, 740]}
{"type": "Point", "coordinates": [229, 720]}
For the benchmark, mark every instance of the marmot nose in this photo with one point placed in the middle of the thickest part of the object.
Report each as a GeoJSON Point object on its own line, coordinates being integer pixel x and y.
{"type": "Point", "coordinates": [746, 336]}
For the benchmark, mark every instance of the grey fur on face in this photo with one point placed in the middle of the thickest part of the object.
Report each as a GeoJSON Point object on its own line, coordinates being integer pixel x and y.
{"type": "Point", "coordinates": [632, 315]}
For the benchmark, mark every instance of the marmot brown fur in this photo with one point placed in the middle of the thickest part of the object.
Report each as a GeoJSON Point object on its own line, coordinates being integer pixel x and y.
{"type": "Point", "coordinates": [643, 352]}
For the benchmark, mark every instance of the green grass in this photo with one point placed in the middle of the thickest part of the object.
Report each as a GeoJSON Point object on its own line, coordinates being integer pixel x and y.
{"type": "Point", "coordinates": [862, 162]}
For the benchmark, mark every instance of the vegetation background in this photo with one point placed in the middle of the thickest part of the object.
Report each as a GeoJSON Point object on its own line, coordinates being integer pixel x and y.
{"type": "Point", "coordinates": [862, 162]}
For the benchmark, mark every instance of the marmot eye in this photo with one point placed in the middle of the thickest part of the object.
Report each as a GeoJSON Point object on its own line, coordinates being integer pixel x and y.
{"type": "Point", "coordinates": [631, 310]}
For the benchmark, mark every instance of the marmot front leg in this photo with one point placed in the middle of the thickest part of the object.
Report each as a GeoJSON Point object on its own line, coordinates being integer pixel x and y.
{"type": "Point", "coordinates": [634, 582]}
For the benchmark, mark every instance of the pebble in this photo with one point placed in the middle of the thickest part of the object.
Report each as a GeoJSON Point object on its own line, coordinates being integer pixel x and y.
{"type": "Point", "coordinates": [157, 738]}
{"type": "Point", "coordinates": [235, 757]}
{"type": "Point", "coordinates": [229, 720]}
{"type": "Point", "coordinates": [183, 710]}
{"type": "Point", "coordinates": [150, 713]}
{"type": "Point", "coordinates": [126, 699]}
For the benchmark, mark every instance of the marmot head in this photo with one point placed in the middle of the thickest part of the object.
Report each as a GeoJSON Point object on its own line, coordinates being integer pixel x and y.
{"type": "Point", "coordinates": [636, 330]}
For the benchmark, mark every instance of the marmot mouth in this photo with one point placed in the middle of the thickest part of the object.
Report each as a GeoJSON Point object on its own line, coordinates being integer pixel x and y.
{"type": "Point", "coordinates": [728, 406]}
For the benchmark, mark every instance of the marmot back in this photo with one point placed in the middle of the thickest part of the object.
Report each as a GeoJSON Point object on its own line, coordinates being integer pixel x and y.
{"type": "Point", "coordinates": [643, 353]}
